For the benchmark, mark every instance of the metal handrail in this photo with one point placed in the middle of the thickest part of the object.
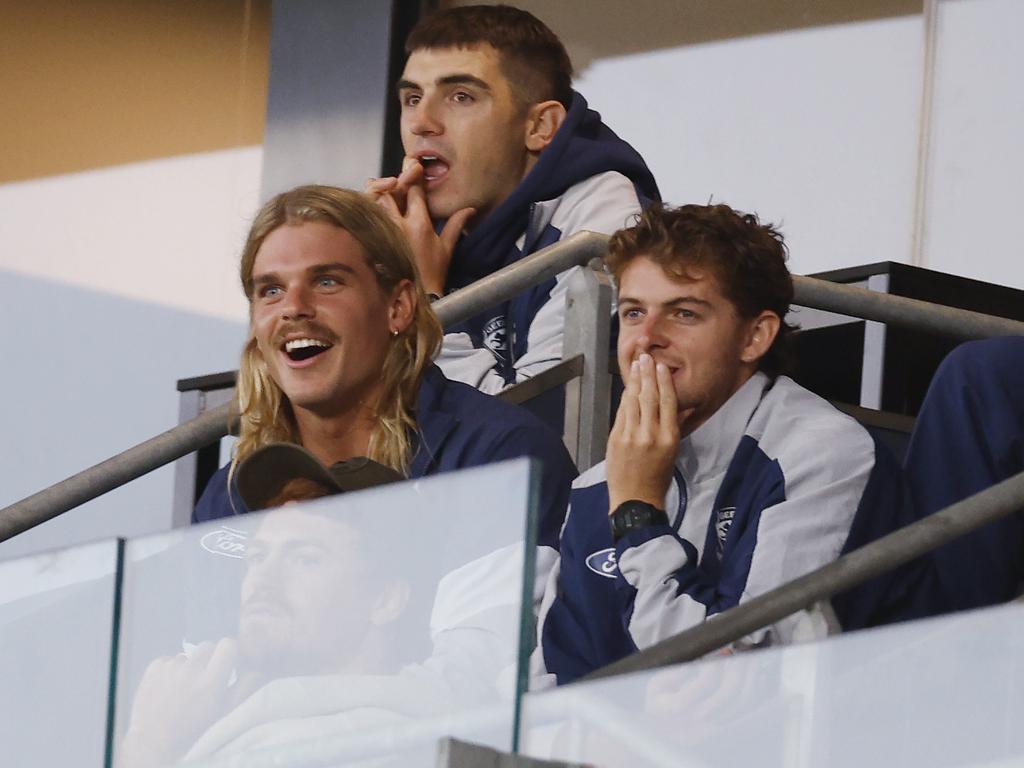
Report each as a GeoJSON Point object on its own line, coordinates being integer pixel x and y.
{"type": "Point", "coordinates": [574, 251]}
{"type": "Point", "coordinates": [850, 570]}
{"type": "Point", "coordinates": [899, 310]}
{"type": "Point", "coordinates": [115, 471]}
{"type": "Point", "coordinates": [461, 305]}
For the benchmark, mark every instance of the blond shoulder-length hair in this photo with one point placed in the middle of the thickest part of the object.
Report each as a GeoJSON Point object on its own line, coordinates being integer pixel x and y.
{"type": "Point", "coordinates": [266, 414]}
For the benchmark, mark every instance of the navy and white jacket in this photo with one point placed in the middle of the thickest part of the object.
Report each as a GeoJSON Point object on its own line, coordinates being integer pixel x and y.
{"type": "Point", "coordinates": [586, 179]}
{"type": "Point", "coordinates": [764, 491]}
{"type": "Point", "coordinates": [459, 427]}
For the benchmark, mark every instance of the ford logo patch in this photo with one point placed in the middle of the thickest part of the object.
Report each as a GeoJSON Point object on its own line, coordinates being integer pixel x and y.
{"type": "Point", "coordinates": [603, 563]}
{"type": "Point", "coordinates": [224, 541]}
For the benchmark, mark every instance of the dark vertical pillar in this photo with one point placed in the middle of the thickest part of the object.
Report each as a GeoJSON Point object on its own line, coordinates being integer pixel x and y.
{"type": "Point", "coordinates": [404, 15]}
{"type": "Point", "coordinates": [326, 102]}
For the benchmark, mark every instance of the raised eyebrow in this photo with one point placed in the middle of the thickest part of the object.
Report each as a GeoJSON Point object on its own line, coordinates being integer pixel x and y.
{"type": "Point", "coordinates": [273, 277]}
{"type": "Point", "coordinates": [459, 78]}
{"type": "Point", "coordinates": [671, 303]}
{"type": "Point", "coordinates": [334, 266]}
{"type": "Point", "coordinates": [265, 279]}
{"type": "Point", "coordinates": [687, 300]}
{"type": "Point", "coordinates": [464, 79]}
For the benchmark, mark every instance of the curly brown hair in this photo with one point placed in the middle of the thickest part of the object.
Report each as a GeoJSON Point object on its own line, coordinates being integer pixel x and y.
{"type": "Point", "coordinates": [747, 257]}
{"type": "Point", "coordinates": [533, 59]}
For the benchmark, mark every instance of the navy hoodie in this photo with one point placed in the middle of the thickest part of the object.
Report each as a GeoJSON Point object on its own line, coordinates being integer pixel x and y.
{"type": "Point", "coordinates": [583, 147]}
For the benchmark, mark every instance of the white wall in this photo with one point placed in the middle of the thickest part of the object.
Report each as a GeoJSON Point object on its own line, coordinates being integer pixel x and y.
{"type": "Point", "coordinates": [821, 129]}
{"type": "Point", "coordinates": [166, 231]}
{"type": "Point", "coordinates": [814, 129]}
{"type": "Point", "coordinates": [118, 282]}
{"type": "Point", "coordinates": [976, 160]}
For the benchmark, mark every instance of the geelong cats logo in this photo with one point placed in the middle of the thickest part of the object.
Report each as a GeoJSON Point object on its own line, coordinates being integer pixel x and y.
{"type": "Point", "coordinates": [723, 522]}
{"type": "Point", "coordinates": [494, 336]}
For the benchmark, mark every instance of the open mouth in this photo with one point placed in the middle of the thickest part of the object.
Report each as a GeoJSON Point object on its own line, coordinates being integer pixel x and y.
{"type": "Point", "coordinates": [434, 167]}
{"type": "Point", "coordinates": [298, 350]}
{"type": "Point", "coordinates": [265, 609]}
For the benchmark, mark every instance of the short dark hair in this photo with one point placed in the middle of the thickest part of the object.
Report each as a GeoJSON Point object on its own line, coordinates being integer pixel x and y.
{"type": "Point", "coordinates": [533, 59]}
{"type": "Point", "coordinates": [747, 257]}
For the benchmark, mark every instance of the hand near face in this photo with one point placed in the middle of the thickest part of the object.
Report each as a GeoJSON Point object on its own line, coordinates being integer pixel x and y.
{"type": "Point", "coordinates": [178, 699]}
{"type": "Point", "coordinates": [405, 200]}
{"type": "Point", "coordinates": [397, 187]}
{"type": "Point", "coordinates": [644, 441]}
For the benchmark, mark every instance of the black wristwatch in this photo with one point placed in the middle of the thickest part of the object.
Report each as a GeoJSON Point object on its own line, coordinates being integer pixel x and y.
{"type": "Point", "coordinates": [633, 514]}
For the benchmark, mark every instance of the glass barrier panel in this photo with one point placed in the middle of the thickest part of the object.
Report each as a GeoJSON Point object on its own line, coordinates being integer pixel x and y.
{"type": "Point", "coordinates": [56, 630]}
{"type": "Point", "coordinates": [330, 632]}
{"type": "Point", "coordinates": [931, 694]}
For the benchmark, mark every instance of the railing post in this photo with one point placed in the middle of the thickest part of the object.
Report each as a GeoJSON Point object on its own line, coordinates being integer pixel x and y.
{"type": "Point", "coordinates": [873, 367]}
{"type": "Point", "coordinates": [186, 469]}
{"type": "Point", "coordinates": [192, 472]}
{"type": "Point", "coordinates": [588, 398]}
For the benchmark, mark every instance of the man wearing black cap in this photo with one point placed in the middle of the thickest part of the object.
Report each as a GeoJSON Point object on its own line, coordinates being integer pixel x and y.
{"type": "Point", "coordinates": [324, 598]}
{"type": "Point", "coordinates": [280, 473]}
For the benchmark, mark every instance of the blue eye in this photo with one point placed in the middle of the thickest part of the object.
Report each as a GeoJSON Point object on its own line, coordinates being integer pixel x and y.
{"type": "Point", "coordinates": [269, 291]}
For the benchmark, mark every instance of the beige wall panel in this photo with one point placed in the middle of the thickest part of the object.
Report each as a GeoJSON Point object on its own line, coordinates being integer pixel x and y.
{"type": "Point", "coordinates": [596, 29]}
{"type": "Point", "coordinates": [105, 82]}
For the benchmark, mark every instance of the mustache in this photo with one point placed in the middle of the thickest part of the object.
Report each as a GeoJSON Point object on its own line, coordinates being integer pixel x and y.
{"type": "Point", "coordinates": [305, 327]}
{"type": "Point", "coordinates": [264, 598]}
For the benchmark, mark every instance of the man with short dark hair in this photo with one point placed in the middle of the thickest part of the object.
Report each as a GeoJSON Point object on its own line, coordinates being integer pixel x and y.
{"type": "Point", "coordinates": [723, 479]}
{"type": "Point", "coordinates": [502, 159]}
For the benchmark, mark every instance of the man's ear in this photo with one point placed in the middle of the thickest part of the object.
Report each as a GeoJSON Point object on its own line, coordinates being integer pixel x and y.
{"type": "Point", "coordinates": [761, 334]}
{"type": "Point", "coordinates": [403, 306]}
{"type": "Point", "coordinates": [542, 123]}
{"type": "Point", "coordinates": [390, 603]}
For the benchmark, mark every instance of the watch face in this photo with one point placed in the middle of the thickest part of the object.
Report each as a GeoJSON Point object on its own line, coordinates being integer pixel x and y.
{"type": "Point", "coordinates": [635, 514]}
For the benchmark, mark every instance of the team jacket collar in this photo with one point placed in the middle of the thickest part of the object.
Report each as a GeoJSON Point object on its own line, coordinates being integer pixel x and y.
{"type": "Point", "coordinates": [434, 424]}
{"type": "Point", "coordinates": [710, 447]}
